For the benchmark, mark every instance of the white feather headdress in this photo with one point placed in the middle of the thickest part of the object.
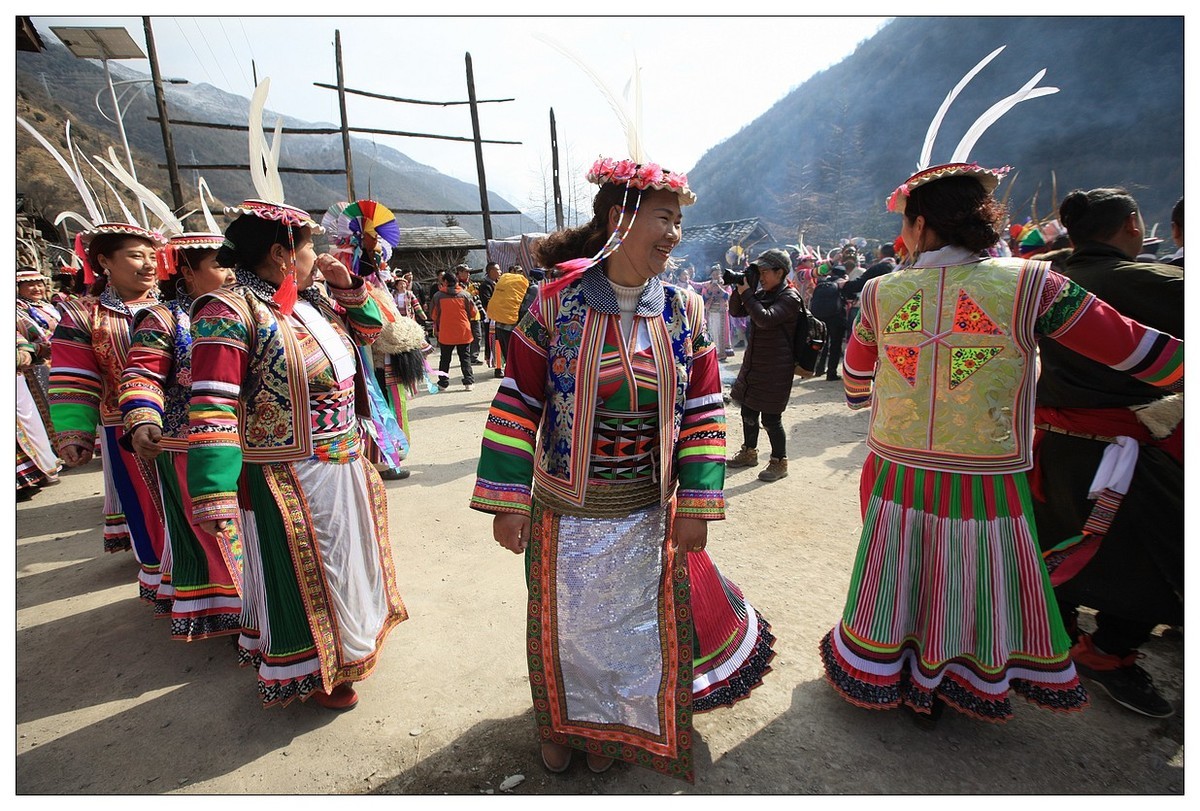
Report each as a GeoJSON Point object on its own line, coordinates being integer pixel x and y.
{"type": "Point", "coordinates": [95, 221]}
{"type": "Point", "coordinates": [959, 165]}
{"type": "Point", "coordinates": [268, 202]}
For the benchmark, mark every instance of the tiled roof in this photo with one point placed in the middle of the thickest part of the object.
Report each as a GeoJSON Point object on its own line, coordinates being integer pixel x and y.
{"type": "Point", "coordinates": [724, 234]}
{"type": "Point", "coordinates": [432, 238]}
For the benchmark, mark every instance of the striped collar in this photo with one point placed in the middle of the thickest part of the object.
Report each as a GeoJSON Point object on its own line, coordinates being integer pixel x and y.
{"type": "Point", "coordinates": [600, 296]}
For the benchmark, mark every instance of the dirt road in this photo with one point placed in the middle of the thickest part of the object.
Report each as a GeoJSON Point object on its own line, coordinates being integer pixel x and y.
{"type": "Point", "coordinates": [108, 704]}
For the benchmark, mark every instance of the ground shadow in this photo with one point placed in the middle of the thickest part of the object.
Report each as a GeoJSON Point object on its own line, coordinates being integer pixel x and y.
{"type": "Point", "coordinates": [483, 757]}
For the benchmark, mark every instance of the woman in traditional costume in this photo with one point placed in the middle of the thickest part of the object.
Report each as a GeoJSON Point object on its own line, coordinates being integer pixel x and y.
{"type": "Point", "coordinates": [949, 600]}
{"type": "Point", "coordinates": [603, 461]}
{"type": "Point", "coordinates": [274, 413]}
{"type": "Point", "coordinates": [89, 350]}
{"type": "Point", "coordinates": [37, 464]}
{"type": "Point", "coordinates": [201, 572]}
{"type": "Point", "coordinates": [716, 296]}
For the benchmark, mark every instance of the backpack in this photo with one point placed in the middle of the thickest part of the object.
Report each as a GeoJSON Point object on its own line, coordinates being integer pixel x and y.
{"type": "Point", "coordinates": [826, 301]}
{"type": "Point", "coordinates": [504, 307]}
{"type": "Point", "coordinates": [807, 342]}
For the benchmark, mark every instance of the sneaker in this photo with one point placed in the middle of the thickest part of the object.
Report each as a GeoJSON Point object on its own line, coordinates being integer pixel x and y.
{"type": "Point", "coordinates": [468, 386]}
{"type": "Point", "coordinates": [1125, 681]}
{"type": "Point", "coordinates": [746, 457]}
{"type": "Point", "coordinates": [498, 374]}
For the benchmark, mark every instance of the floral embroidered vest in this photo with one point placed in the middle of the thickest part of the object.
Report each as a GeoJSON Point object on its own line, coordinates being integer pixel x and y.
{"type": "Point", "coordinates": [576, 319]}
{"type": "Point", "coordinates": [954, 381]}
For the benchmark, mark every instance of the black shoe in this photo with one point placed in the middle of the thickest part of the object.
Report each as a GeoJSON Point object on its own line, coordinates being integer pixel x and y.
{"type": "Point", "coordinates": [1131, 687]}
{"type": "Point", "coordinates": [832, 378]}
{"type": "Point", "coordinates": [929, 721]}
{"type": "Point", "coordinates": [395, 474]}
{"type": "Point", "coordinates": [498, 373]}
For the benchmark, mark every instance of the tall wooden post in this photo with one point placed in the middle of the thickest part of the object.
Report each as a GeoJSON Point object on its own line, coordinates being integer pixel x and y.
{"type": "Point", "coordinates": [341, 88]}
{"type": "Point", "coordinates": [558, 206]}
{"type": "Point", "coordinates": [163, 122]}
{"type": "Point", "coordinates": [483, 196]}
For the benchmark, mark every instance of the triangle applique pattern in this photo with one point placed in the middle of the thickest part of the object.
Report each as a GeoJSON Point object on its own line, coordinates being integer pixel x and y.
{"type": "Point", "coordinates": [908, 317]}
{"type": "Point", "coordinates": [905, 359]}
{"type": "Point", "coordinates": [967, 360]}
{"type": "Point", "coordinates": [969, 317]}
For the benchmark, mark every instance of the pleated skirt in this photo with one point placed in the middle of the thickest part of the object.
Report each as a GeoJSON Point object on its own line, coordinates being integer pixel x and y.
{"type": "Point", "coordinates": [949, 599]}
{"type": "Point", "coordinates": [319, 584]}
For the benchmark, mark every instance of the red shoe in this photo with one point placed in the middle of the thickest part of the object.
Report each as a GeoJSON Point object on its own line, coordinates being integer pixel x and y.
{"type": "Point", "coordinates": [342, 697]}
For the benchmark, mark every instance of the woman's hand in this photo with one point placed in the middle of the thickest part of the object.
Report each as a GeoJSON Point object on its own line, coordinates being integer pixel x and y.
{"type": "Point", "coordinates": [511, 530]}
{"type": "Point", "coordinates": [689, 535]}
{"type": "Point", "coordinates": [217, 527]}
{"type": "Point", "coordinates": [76, 455]}
{"type": "Point", "coordinates": [334, 272]}
{"type": "Point", "coordinates": [145, 439]}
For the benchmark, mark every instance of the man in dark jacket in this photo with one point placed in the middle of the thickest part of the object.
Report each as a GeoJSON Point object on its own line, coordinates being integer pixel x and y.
{"type": "Point", "coordinates": [764, 383]}
{"type": "Point", "coordinates": [486, 328]}
{"type": "Point", "coordinates": [829, 305]}
{"type": "Point", "coordinates": [1120, 553]}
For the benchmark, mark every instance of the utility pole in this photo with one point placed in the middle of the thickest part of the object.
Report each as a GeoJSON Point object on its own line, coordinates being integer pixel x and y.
{"type": "Point", "coordinates": [558, 206]}
{"type": "Point", "coordinates": [337, 41]}
{"type": "Point", "coordinates": [163, 122]}
{"type": "Point", "coordinates": [483, 196]}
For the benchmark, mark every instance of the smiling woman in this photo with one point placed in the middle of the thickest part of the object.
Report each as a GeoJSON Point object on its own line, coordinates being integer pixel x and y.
{"type": "Point", "coordinates": [632, 628]}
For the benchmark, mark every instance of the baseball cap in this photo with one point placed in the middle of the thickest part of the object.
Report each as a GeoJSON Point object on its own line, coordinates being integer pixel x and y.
{"type": "Point", "coordinates": [773, 258]}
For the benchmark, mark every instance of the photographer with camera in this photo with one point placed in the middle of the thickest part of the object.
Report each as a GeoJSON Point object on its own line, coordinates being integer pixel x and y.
{"type": "Point", "coordinates": [764, 383]}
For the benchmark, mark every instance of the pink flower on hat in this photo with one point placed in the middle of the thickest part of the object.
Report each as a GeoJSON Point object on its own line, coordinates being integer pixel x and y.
{"type": "Point", "coordinates": [624, 171]}
{"type": "Point", "coordinates": [649, 175]}
{"type": "Point", "coordinates": [676, 181]}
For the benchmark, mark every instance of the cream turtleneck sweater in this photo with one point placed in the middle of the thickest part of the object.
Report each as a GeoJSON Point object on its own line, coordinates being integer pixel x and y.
{"type": "Point", "coordinates": [627, 300]}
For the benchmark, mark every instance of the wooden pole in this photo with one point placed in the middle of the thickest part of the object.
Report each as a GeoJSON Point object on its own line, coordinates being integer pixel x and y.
{"type": "Point", "coordinates": [337, 41]}
{"type": "Point", "coordinates": [483, 196]}
{"type": "Point", "coordinates": [558, 206]}
{"type": "Point", "coordinates": [164, 122]}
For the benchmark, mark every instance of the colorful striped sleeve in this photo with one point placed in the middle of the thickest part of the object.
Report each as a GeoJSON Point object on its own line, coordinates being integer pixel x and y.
{"type": "Point", "coordinates": [504, 476]}
{"type": "Point", "coordinates": [700, 452]}
{"type": "Point", "coordinates": [141, 395]}
{"type": "Point", "coordinates": [363, 317]}
{"type": "Point", "coordinates": [1085, 324]}
{"type": "Point", "coordinates": [75, 385]}
{"type": "Point", "coordinates": [219, 364]}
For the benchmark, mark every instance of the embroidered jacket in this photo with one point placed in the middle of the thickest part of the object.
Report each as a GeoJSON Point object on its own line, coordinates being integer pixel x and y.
{"type": "Point", "coordinates": [950, 346]}
{"type": "Point", "coordinates": [250, 391]}
{"type": "Point", "coordinates": [549, 400]}
{"type": "Point", "coordinates": [90, 347]}
{"type": "Point", "coordinates": [157, 380]}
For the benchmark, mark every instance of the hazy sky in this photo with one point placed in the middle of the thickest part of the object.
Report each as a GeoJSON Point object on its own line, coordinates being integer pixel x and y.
{"type": "Point", "coordinates": [703, 78]}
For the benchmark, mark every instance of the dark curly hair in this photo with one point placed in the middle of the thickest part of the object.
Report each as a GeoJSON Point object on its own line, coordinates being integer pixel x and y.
{"type": "Point", "coordinates": [587, 239]}
{"type": "Point", "coordinates": [1095, 215]}
{"type": "Point", "coordinates": [959, 210]}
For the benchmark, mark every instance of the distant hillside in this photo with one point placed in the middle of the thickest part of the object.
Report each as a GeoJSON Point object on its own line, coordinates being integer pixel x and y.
{"type": "Point", "coordinates": [55, 85]}
{"type": "Point", "coordinates": [824, 158]}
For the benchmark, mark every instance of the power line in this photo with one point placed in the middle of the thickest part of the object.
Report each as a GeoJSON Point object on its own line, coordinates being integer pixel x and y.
{"type": "Point", "coordinates": [233, 52]}
{"type": "Point", "coordinates": [199, 61]}
{"type": "Point", "coordinates": [208, 45]}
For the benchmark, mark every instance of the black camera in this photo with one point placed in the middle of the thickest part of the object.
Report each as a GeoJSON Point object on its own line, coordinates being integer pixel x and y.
{"type": "Point", "coordinates": [733, 277]}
